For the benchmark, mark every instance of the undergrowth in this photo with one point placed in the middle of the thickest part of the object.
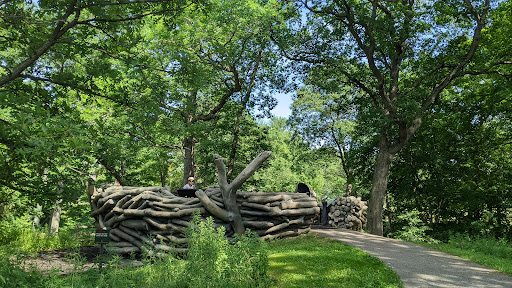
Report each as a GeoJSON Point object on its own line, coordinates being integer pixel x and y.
{"type": "Point", "coordinates": [211, 262]}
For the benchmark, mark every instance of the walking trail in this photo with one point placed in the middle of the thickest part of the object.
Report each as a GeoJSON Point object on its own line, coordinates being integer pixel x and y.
{"type": "Point", "coordinates": [419, 266]}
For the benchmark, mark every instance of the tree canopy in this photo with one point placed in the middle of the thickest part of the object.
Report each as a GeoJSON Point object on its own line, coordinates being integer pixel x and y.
{"type": "Point", "coordinates": [405, 103]}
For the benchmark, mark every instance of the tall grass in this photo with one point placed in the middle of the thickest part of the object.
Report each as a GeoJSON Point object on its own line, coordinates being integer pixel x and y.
{"type": "Point", "coordinates": [211, 262]}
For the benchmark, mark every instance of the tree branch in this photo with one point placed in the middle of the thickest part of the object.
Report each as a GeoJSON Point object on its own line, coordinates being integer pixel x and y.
{"type": "Point", "coordinates": [59, 30]}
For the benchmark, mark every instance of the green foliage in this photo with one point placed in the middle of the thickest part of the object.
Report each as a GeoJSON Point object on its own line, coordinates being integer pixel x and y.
{"type": "Point", "coordinates": [460, 161]}
{"type": "Point", "coordinates": [11, 275]}
{"type": "Point", "coordinates": [11, 230]}
{"type": "Point", "coordinates": [410, 228]}
{"type": "Point", "coordinates": [213, 262]}
{"type": "Point", "coordinates": [28, 240]}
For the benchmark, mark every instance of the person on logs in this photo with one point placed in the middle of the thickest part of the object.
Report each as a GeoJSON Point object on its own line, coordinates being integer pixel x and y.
{"type": "Point", "coordinates": [190, 184]}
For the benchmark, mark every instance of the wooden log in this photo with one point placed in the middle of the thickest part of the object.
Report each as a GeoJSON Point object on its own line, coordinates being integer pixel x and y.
{"type": "Point", "coordinates": [212, 207]}
{"type": "Point", "coordinates": [169, 227]}
{"type": "Point", "coordinates": [171, 249]}
{"type": "Point", "coordinates": [115, 219]}
{"type": "Point", "coordinates": [213, 190]}
{"type": "Point", "coordinates": [259, 198]}
{"type": "Point", "coordinates": [114, 237]}
{"type": "Point", "coordinates": [136, 224]}
{"type": "Point", "coordinates": [101, 225]}
{"type": "Point", "coordinates": [246, 194]}
{"type": "Point", "coordinates": [295, 232]}
{"type": "Point", "coordinates": [170, 237]}
{"type": "Point", "coordinates": [254, 213]}
{"type": "Point", "coordinates": [161, 214]}
{"type": "Point", "coordinates": [123, 192]}
{"type": "Point", "coordinates": [300, 211]}
{"type": "Point", "coordinates": [143, 238]}
{"type": "Point", "coordinates": [269, 209]}
{"type": "Point", "coordinates": [123, 250]}
{"type": "Point", "coordinates": [292, 205]}
{"type": "Point", "coordinates": [123, 200]}
{"type": "Point", "coordinates": [191, 201]}
{"type": "Point", "coordinates": [177, 200]}
{"type": "Point", "coordinates": [172, 206]}
{"type": "Point", "coordinates": [106, 206]}
{"type": "Point", "coordinates": [127, 237]}
{"type": "Point", "coordinates": [181, 222]}
{"type": "Point", "coordinates": [159, 236]}
{"type": "Point", "coordinates": [259, 224]}
{"type": "Point", "coordinates": [135, 201]}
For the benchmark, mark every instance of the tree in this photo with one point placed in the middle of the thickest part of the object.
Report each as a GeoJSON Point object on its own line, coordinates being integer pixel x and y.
{"type": "Point", "coordinates": [48, 50]}
{"type": "Point", "coordinates": [461, 179]}
{"type": "Point", "coordinates": [216, 60]}
{"type": "Point", "coordinates": [399, 55]}
{"type": "Point", "coordinates": [327, 120]}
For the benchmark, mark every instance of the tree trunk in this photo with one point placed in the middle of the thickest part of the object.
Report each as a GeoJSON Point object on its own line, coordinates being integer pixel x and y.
{"type": "Point", "coordinates": [118, 175]}
{"type": "Point", "coordinates": [228, 190]}
{"type": "Point", "coordinates": [163, 178]}
{"type": "Point", "coordinates": [379, 186]}
{"type": "Point", "coordinates": [243, 106]}
{"type": "Point", "coordinates": [55, 220]}
{"type": "Point", "coordinates": [189, 148]}
{"type": "Point", "coordinates": [36, 222]}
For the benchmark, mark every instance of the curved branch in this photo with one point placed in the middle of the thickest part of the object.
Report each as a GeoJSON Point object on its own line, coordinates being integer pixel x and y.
{"type": "Point", "coordinates": [211, 206]}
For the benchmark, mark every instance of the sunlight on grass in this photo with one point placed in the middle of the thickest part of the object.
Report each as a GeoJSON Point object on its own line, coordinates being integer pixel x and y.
{"type": "Point", "coordinates": [311, 261]}
{"type": "Point", "coordinates": [496, 254]}
{"type": "Point", "coordinates": [305, 261]}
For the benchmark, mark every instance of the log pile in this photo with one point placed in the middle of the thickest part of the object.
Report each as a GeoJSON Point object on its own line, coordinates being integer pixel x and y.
{"type": "Point", "coordinates": [153, 219]}
{"type": "Point", "coordinates": [348, 212]}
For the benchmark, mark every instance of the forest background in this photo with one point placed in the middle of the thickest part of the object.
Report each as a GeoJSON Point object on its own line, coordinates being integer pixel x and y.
{"type": "Point", "coordinates": [404, 103]}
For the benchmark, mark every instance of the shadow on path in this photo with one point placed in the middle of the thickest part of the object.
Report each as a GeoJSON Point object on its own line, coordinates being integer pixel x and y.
{"type": "Point", "coordinates": [419, 266]}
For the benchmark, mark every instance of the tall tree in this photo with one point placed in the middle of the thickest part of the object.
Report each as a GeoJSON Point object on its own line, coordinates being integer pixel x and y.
{"type": "Point", "coordinates": [326, 119]}
{"type": "Point", "coordinates": [49, 85]}
{"type": "Point", "coordinates": [400, 55]}
{"type": "Point", "coordinates": [216, 60]}
{"type": "Point", "coordinates": [461, 179]}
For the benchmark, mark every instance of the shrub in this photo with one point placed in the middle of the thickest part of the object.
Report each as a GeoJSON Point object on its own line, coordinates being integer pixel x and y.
{"type": "Point", "coordinates": [412, 228]}
{"type": "Point", "coordinates": [213, 262]}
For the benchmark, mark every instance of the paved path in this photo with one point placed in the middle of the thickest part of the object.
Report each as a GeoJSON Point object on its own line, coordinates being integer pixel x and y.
{"type": "Point", "coordinates": [418, 266]}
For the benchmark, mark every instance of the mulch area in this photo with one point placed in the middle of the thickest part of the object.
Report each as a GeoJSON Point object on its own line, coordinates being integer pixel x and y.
{"type": "Point", "coordinates": [62, 261]}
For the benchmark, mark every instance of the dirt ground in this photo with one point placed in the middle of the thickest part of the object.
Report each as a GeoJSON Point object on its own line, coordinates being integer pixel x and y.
{"type": "Point", "coordinates": [62, 261]}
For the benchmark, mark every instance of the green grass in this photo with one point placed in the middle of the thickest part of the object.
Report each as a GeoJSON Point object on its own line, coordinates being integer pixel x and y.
{"type": "Point", "coordinates": [496, 254]}
{"type": "Point", "coordinates": [306, 261]}
{"type": "Point", "coordinates": [312, 261]}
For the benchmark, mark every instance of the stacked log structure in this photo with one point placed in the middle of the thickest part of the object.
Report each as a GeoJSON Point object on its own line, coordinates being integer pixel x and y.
{"type": "Point", "coordinates": [348, 212]}
{"type": "Point", "coordinates": [154, 219]}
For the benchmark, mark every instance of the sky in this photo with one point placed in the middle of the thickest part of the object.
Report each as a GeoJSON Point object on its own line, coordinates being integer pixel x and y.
{"type": "Point", "coordinates": [284, 101]}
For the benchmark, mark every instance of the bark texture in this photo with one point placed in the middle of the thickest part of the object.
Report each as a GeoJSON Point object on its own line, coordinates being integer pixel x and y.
{"type": "Point", "coordinates": [348, 212]}
{"type": "Point", "coordinates": [378, 192]}
{"type": "Point", "coordinates": [155, 219]}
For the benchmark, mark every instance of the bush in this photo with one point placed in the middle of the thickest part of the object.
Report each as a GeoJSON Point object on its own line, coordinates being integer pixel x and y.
{"type": "Point", "coordinates": [213, 262]}
{"type": "Point", "coordinates": [11, 230]}
{"type": "Point", "coordinates": [412, 228]}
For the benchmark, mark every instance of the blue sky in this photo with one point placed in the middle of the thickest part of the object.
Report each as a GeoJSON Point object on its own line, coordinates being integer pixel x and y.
{"type": "Point", "coordinates": [284, 101]}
